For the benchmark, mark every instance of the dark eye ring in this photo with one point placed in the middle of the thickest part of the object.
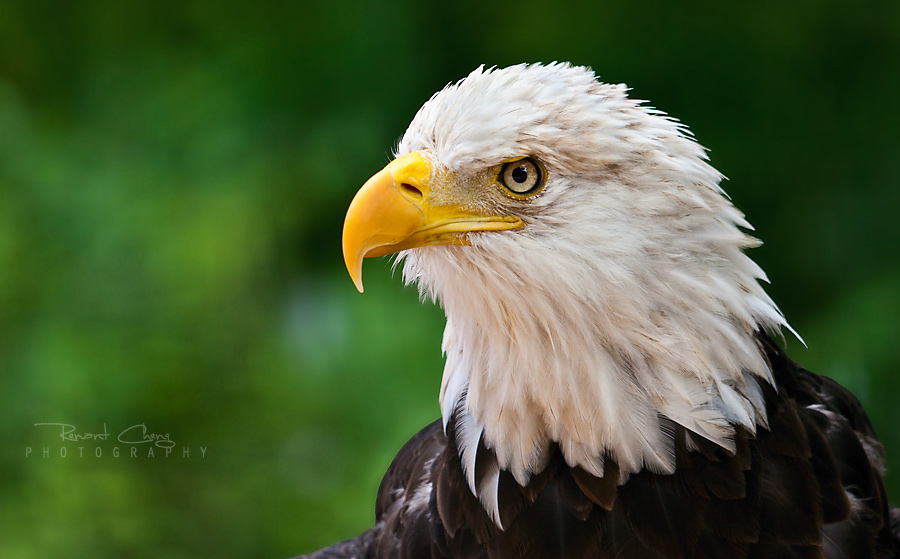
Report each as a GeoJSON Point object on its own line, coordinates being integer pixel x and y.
{"type": "Point", "coordinates": [522, 177]}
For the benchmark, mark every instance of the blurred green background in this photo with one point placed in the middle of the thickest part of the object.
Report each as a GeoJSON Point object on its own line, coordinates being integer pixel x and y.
{"type": "Point", "coordinates": [173, 178]}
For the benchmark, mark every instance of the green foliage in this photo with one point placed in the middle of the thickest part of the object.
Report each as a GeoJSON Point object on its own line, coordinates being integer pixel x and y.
{"type": "Point", "coordinates": [173, 178]}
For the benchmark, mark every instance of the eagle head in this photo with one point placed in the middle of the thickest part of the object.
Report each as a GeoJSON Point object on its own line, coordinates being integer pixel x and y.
{"type": "Point", "coordinates": [591, 269]}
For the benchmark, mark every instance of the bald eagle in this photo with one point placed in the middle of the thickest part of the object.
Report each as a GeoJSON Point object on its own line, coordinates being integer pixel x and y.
{"type": "Point", "coordinates": [612, 387]}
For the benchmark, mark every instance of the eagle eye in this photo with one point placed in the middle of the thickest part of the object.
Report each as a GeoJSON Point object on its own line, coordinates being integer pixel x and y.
{"type": "Point", "coordinates": [522, 177]}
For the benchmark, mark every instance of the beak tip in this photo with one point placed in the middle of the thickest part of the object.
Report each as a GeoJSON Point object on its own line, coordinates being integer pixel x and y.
{"type": "Point", "coordinates": [355, 270]}
{"type": "Point", "coordinates": [353, 260]}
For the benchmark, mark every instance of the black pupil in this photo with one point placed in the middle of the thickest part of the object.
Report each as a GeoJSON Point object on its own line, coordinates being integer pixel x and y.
{"type": "Point", "coordinates": [520, 174]}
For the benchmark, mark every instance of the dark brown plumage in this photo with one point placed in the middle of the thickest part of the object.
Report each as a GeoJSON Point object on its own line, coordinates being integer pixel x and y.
{"type": "Point", "coordinates": [808, 487]}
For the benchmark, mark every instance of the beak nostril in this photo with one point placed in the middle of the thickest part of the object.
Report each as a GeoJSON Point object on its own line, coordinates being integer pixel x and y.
{"type": "Point", "coordinates": [411, 192]}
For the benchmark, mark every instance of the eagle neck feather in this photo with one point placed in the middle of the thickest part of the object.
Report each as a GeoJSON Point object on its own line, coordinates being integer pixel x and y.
{"type": "Point", "coordinates": [546, 348]}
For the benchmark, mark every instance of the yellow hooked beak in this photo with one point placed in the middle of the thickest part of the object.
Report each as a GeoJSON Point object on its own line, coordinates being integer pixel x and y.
{"type": "Point", "coordinates": [395, 211]}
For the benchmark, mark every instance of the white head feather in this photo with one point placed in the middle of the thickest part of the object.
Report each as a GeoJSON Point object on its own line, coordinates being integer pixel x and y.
{"type": "Point", "coordinates": [626, 297]}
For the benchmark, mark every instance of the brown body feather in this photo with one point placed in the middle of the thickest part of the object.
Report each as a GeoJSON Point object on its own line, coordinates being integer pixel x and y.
{"type": "Point", "coordinates": [808, 487]}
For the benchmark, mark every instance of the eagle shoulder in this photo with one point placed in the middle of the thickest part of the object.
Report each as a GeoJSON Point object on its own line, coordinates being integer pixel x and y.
{"type": "Point", "coordinates": [809, 485]}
